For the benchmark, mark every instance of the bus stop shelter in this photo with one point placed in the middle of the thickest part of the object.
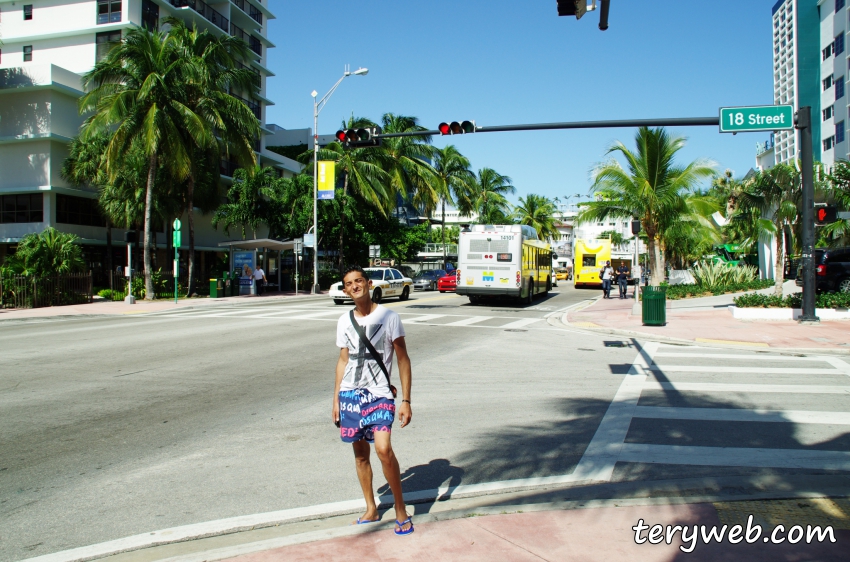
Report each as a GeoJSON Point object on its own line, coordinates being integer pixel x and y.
{"type": "Point", "coordinates": [260, 243]}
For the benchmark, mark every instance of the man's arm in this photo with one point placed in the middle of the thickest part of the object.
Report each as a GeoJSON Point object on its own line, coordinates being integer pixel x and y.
{"type": "Point", "coordinates": [340, 372]}
{"type": "Point", "coordinates": [405, 376]}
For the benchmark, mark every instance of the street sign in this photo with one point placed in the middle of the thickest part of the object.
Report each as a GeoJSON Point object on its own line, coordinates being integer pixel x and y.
{"type": "Point", "coordinates": [176, 224]}
{"type": "Point", "coordinates": [298, 244]}
{"type": "Point", "coordinates": [374, 251]}
{"type": "Point", "coordinates": [309, 240]}
{"type": "Point", "coordinates": [756, 118]}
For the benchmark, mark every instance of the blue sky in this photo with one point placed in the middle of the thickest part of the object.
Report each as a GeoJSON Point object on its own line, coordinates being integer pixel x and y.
{"type": "Point", "coordinates": [504, 62]}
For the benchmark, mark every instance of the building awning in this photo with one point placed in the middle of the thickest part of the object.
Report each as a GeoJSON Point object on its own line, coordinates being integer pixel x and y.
{"type": "Point", "coordinates": [259, 243]}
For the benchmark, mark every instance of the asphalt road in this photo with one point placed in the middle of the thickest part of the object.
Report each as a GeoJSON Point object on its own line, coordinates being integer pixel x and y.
{"type": "Point", "coordinates": [111, 427]}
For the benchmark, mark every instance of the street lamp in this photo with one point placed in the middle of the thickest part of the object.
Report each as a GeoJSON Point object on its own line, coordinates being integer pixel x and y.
{"type": "Point", "coordinates": [317, 107]}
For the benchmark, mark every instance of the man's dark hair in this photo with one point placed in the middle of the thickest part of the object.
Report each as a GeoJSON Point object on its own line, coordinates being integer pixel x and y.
{"type": "Point", "coordinates": [353, 268]}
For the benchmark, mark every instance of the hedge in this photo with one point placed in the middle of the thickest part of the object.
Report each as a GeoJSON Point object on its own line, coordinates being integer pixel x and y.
{"type": "Point", "coordinates": [824, 300]}
{"type": "Point", "coordinates": [675, 292]}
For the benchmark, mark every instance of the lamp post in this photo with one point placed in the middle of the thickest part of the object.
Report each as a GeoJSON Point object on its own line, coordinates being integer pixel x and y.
{"type": "Point", "coordinates": [317, 107]}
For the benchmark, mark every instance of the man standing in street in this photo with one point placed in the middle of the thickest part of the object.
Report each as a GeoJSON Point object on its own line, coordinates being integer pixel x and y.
{"type": "Point", "coordinates": [364, 399]}
{"type": "Point", "coordinates": [607, 275]}
{"type": "Point", "coordinates": [259, 279]}
{"type": "Point", "coordinates": [623, 279]}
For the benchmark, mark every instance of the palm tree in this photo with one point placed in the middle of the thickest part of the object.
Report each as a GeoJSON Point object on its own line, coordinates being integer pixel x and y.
{"type": "Point", "coordinates": [538, 212]}
{"type": "Point", "coordinates": [213, 71]}
{"type": "Point", "coordinates": [651, 188]}
{"type": "Point", "coordinates": [138, 91]}
{"type": "Point", "coordinates": [47, 253]}
{"type": "Point", "coordinates": [775, 194]}
{"type": "Point", "coordinates": [485, 196]}
{"type": "Point", "coordinates": [452, 169]}
{"type": "Point", "coordinates": [247, 207]}
{"type": "Point", "coordinates": [838, 192]}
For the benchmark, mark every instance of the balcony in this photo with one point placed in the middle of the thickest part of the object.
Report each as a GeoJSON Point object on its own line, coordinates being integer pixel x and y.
{"type": "Point", "coordinates": [227, 168]}
{"type": "Point", "coordinates": [254, 71]}
{"type": "Point", "coordinates": [252, 105]}
{"type": "Point", "coordinates": [205, 10]}
{"type": "Point", "coordinates": [253, 43]}
{"type": "Point", "coordinates": [249, 9]}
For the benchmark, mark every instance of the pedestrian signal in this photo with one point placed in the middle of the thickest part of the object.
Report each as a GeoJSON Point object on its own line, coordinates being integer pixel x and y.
{"type": "Point", "coordinates": [825, 215]}
{"type": "Point", "coordinates": [457, 128]}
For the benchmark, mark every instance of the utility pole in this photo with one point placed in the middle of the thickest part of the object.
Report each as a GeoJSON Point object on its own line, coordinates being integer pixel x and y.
{"type": "Point", "coordinates": [804, 125]}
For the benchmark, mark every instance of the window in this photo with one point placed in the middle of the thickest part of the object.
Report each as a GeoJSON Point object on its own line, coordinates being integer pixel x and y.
{"type": "Point", "coordinates": [150, 15]}
{"type": "Point", "coordinates": [839, 44]}
{"type": "Point", "coordinates": [827, 83]}
{"type": "Point", "coordinates": [827, 51]}
{"type": "Point", "coordinates": [28, 53]}
{"type": "Point", "coordinates": [839, 132]}
{"type": "Point", "coordinates": [108, 11]}
{"type": "Point", "coordinates": [22, 208]}
{"type": "Point", "coordinates": [104, 43]}
{"type": "Point", "coordinates": [27, 11]}
{"type": "Point", "coordinates": [839, 88]}
{"type": "Point", "coordinates": [828, 143]}
{"type": "Point", "coordinates": [839, 4]}
{"type": "Point", "coordinates": [77, 210]}
{"type": "Point", "coordinates": [828, 112]}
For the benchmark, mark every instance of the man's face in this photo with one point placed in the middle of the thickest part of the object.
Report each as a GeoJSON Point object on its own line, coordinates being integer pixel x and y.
{"type": "Point", "coordinates": [355, 285]}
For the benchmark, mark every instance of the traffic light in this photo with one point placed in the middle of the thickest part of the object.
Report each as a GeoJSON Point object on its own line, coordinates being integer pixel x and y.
{"type": "Point", "coordinates": [359, 137]}
{"type": "Point", "coordinates": [457, 127]}
{"type": "Point", "coordinates": [575, 8]}
{"type": "Point", "coordinates": [825, 215]}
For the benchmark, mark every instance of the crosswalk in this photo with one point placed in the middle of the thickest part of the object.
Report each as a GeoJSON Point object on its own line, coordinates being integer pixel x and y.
{"type": "Point", "coordinates": [326, 314]}
{"type": "Point", "coordinates": [708, 407]}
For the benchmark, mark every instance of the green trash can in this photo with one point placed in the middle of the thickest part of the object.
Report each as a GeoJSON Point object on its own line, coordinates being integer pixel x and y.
{"type": "Point", "coordinates": [654, 306]}
{"type": "Point", "coordinates": [214, 288]}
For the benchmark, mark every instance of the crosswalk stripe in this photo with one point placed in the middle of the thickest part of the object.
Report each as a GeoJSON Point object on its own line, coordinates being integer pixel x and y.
{"type": "Point", "coordinates": [733, 387]}
{"type": "Point", "coordinates": [742, 415]}
{"type": "Point", "coordinates": [424, 318]}
{"type": "Point", "coordinates": [734, 456]}
{"type": "Point", "coordinates": [521, 322]}
{"type": "Point", "coordinates": [468, 321]}
{"type": "Point", "coordinates": [744, 369]}
{"type": "Point", "coordinates": [737, 356]}
{"type": "Point", "coordinates": [306, 316]}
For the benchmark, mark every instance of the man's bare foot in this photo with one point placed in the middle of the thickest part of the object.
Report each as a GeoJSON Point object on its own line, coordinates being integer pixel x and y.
{"type": "Point", "coordinates": [369, 517]}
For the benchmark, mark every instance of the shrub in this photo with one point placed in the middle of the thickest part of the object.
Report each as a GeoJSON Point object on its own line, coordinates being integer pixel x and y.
{"type": "Point", "coordinates": [675, 292]}
{"type": "Point", "coordinates": [824, 300]}
{"type": "Point", "coordinates": [716, 275]}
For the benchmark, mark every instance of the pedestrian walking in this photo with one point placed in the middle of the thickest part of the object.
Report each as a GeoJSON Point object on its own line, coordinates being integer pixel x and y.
{"type": "Point", "coordinates": [260, 279]}
{"type": "Point", "coordinates": [623, 279]}
{"type": "Point", "coordinates": [364, 399]}
{"type": "Point", "coordinates": [607, 275]}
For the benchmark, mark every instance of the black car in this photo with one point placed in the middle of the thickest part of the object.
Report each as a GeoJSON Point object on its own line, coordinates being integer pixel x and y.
{"type": "Point", "coordinates": [832, 270]}
{"type": "Point", "coordinates": [427, 280]}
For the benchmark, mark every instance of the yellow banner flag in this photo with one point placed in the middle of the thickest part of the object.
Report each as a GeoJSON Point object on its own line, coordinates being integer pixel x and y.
{"type": "Point", "coordinates": [327, 179]}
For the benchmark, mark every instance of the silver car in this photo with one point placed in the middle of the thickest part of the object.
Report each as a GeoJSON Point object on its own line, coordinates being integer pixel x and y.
{"type": "Point", "coordinates": [427, 280]}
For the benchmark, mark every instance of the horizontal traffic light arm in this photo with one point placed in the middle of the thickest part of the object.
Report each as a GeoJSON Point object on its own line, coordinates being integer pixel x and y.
{"type": "Point", "coordinates": [673, 122]}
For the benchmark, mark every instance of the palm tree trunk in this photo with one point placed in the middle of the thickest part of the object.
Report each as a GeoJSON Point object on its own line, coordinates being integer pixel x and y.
{"type": "Point", "coordinates": [109, 253]}
{"type": "Point", "coordinates": [443, 232]}
{"type": "Point", "coordinates": [779, 262]}
{"type": "Point", "coordinates": [342, 222]}
{"type": "Point", "coordinates": [149, 292]}
{"type": "Point", "coordinates": [654, 260]}
{"type": "Point", "coordinates": [190, 211]}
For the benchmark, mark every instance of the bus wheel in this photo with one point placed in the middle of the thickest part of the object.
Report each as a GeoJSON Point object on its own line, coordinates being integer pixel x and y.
{"type": "Point", "coordinates": [548, 285]}
{"type": "Point", "coordinates": [376, 295]}
{"type": "Point", "coordinates": [474, 299]}
{"type": "Point", "coordinates": [530, 298]}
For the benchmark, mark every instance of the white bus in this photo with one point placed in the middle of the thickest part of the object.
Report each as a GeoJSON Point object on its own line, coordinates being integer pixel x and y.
{"type": "Point", "coordinates": [503, 260]}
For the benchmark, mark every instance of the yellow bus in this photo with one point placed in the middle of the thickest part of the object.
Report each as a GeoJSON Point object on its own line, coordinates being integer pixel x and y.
{"type": "Point", "coordinates": [590, 257]}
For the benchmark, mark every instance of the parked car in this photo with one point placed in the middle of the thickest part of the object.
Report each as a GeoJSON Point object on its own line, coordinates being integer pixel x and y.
{"type": "Point", "coordinates": [447, 283]}
{"type": "Point", "coordinates": [427, 280]}
{"type": "Point", "coordinates": [386, 282]}
{"type": "Point", "coordinates": [832, 271]}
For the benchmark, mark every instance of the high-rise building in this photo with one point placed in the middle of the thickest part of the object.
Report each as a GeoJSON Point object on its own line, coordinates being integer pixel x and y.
{"type": "Point", "coordinates": [796, 70]}
{"type": "Point", "coordinates": [47, 45]}
{"type": "Point", "coordinates": [833, 74]}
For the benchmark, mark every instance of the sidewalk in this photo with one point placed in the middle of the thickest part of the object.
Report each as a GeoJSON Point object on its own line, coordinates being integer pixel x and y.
{"type": "Point", "coordinates": [102, 307]}
{"type": "Point", "coordinates": [707, 320]}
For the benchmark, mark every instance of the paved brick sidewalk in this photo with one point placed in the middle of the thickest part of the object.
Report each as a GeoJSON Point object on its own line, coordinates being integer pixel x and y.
{"type": "Point", "coordinates": [102, 307]}
{"type": "Point", "coordinates": [712, 325]}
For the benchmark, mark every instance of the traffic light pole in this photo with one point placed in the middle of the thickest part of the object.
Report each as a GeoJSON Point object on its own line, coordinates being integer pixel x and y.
{"type": "Point", "coordinates": [804, 125]}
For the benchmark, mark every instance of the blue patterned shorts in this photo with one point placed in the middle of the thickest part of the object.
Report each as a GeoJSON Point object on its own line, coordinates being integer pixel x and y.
{"type": "Point", "coordinates": [361, 414]}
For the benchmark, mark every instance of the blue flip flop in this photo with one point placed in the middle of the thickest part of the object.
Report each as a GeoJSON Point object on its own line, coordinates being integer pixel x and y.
{"type": "Point", "coordinates": [401, 524]}
{"type": "Point", "coordinates": [363, 522]}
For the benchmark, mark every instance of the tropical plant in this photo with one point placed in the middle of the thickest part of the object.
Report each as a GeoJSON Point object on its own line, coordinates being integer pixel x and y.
{"type": "Point", "coordinates": [49, 252]}
{"type": "Point", "coordinates": [651, 188]}
{"type": "Point", "coordinates": [838, 193]}
{"type": "Point", "coordinates": [247, 208]}
{"type": "Point", "coordinates": [138, 91]}
{"type": "Point", "coordinates": [712, 274]}
{"type": "Point", "coordinates": [452, 169]}
{"type": "Point", "coordinates": [616, 237]}
{"type": "Point", "coordinates": [538, 212]}
{"type": "Point", "coordinates": [485, 196]}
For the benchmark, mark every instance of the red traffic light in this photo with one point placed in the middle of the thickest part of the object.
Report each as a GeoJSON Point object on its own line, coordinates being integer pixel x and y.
{"type": "Point", "coordinates": [456, 127]}
{"type": "Point", "coordinates": [340, 136]}
{"type": "Point", "coordinates": [444, 129]}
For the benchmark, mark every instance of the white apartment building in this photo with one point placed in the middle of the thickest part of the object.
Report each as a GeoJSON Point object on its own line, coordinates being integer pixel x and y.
{"type": "Point", "coordinates": [834, 74]}
{"type": "Point", "coordinates": [47, 45]}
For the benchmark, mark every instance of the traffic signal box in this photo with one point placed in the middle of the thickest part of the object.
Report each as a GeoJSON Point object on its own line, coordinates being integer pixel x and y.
{"type": "Point", "coordinates": [825, 215]}
{"type": "Point", "coordinates": [575, 8]}
{"type": "Point", "coordinates": [457, 128]}
{"type": "Point", "coordinates": [359, 137]}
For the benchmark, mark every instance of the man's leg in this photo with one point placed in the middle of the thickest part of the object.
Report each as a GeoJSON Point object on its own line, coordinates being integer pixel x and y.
{"type": "Point", "coordinates": [392, 473]}
{"type": "Point", "coordinates": [362, 451]}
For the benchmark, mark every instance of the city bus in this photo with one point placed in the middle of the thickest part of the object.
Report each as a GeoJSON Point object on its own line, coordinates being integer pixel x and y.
{"type": "Point", "coordinates": [503, 260]}
{"type": "Point", "coordinates": [590, 258]}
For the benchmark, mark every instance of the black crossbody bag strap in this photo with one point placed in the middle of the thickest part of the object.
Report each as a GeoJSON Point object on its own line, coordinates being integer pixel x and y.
{"type": "Point", "coordinates": [359, 329]}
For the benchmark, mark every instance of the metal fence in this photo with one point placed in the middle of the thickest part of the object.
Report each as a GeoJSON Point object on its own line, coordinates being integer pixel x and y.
{"type": "Point", "coordinates": [22, 291]}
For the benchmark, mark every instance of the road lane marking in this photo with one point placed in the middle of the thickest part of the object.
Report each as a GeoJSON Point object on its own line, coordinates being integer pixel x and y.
{"type": "Point", "coordinates": [735, 456]}
{"type": "Point", "coordinates": [733, 387]}
{"type": "Point", "coordinates": [468, 321]}
{"type": "Point", "coordinates": [423, 318]}
{"type": "Point", "coordinates": [732, 342]}
{"type": "Point", "coordinates": [521, 323]}
{"type": "Point", "coordinates": [744, 369]}
{"type": "Point", "coordinates": [742, 415]}
{"type": "Point", "coordinates": [761, 357]}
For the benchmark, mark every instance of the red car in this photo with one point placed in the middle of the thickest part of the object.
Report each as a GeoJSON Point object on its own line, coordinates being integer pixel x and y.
{"type": "Point", "coordinates": [447, 282]}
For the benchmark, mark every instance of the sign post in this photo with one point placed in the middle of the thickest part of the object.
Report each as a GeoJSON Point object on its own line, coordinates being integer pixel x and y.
{"type": "Point", "coordinates": [756, 118]}
{"type": "Point", "coordinates": [176, 243]}
{"type": "Point", "coordinates": [297, 248]}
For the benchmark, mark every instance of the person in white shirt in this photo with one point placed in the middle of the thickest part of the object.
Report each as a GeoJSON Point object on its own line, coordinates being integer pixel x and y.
{"type": "Point", "coordinates": [607, 277]}
{"type": "Point", "coordinates": [259, 279]}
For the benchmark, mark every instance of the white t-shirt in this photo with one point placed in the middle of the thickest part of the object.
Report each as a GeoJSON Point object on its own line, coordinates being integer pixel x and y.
{"type": "Point", "coordinates": [382, 327]}
{"type": "Point", "coordinates": [607, 273]}
{"type": "Point", "coordinates": [259, 273]}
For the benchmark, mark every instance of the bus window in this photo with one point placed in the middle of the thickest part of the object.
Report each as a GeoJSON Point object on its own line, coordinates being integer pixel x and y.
{"type": "Point", "coordinates": [588, 260]}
